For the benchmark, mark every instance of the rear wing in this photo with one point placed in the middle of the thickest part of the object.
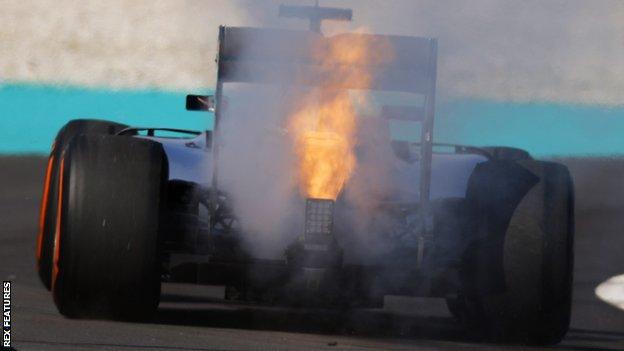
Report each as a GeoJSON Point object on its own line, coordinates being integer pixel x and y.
{"type": "Point", "coordinates": [286, 57]}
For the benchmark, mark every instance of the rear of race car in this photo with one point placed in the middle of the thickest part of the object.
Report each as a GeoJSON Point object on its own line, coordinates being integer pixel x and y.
{"type": "Point", "coordinates": [489, 229]}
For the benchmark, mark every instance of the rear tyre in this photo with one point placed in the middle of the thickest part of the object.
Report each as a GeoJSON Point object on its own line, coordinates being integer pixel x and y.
{"type": "Point", "coordinates": [532, 256]}
{"type": "Point", "coordinates": [47, 215]}
{"type": "Point", "coordinates": [106, 254]}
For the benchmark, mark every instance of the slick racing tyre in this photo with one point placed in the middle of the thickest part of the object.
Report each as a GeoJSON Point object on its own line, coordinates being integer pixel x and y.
{"type": "Point", "coordinates": [106, 252]}
{"type": "Point", "coordinates": [518, 270]}
{"type": "Point", "coordinates": [47, 215]}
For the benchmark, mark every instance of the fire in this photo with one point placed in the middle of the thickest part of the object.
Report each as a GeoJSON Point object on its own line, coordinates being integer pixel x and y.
{"type": "Point", "coordinates": [324, 140]}
{"type": "Point", "coordinates": [324, 122]}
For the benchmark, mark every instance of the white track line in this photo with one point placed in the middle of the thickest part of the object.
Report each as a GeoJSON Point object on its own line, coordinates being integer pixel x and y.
{"type": "Point", "coordinates": [611, 291]}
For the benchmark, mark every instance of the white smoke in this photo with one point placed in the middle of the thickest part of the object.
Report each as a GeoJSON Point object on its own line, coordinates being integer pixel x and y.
{"type": "Point", "coordinates": [257, 167]}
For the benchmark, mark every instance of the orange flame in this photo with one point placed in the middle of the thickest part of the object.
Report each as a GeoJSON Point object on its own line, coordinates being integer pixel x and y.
{"type": "Point", "coordinates": [324, 121]}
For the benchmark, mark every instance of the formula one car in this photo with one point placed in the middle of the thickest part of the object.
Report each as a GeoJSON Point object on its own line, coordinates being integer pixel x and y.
{"type": "Point", "coordinates": [487, 228]}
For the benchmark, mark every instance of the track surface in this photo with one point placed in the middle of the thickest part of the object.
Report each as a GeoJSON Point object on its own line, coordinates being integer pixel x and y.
{"type": "Point", "coordinates": [189, 320]}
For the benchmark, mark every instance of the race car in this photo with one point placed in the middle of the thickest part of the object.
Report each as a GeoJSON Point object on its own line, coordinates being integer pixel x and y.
{"type": "Point", "coordinates": [490, 229]}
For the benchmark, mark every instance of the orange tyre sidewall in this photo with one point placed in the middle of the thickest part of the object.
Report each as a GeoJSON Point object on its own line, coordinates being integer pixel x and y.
{"type": "Point", "coordinates": [57, 231]}
{"type": "Point", "coordinates": [44, 207]}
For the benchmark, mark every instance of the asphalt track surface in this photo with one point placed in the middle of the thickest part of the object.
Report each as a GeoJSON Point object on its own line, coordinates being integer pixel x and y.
{"type": "Point", "coordinates": [189, 319]}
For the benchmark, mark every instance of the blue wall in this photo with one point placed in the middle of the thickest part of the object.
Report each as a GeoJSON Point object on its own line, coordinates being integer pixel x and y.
{"type": "Point", "coordinates": [544, 129]}
{"type": "Point", "coordinates": [30, 116]}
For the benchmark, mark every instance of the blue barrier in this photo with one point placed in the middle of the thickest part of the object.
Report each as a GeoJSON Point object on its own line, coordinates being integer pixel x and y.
{"type": "Point", "coordinates": [30, 116]}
